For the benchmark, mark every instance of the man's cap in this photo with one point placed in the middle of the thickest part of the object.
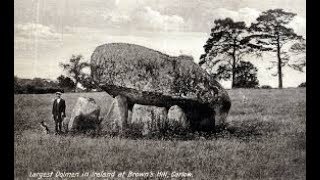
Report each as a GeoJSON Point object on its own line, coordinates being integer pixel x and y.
{"type": "Point", "coordinates": [58, 93]}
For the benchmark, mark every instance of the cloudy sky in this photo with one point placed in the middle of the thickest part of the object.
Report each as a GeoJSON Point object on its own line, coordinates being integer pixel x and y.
{"type": "Point", "coordinates": [49, 31]}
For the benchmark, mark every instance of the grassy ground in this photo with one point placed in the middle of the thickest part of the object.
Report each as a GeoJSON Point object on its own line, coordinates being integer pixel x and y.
{"type": "Point", "coordinates": [266, 141]}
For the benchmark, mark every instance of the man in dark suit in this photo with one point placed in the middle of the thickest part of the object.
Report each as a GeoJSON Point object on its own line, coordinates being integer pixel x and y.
{"type": "Point", "coordinates": [58, 111]}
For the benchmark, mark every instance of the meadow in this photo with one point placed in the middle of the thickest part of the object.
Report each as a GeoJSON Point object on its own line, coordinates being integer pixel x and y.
{"type": "Point", "coordinates": [266, 140]}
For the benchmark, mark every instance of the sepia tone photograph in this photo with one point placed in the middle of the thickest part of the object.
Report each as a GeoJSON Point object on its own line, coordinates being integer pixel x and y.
{"type": "Point", "coordinates": [160, 89]}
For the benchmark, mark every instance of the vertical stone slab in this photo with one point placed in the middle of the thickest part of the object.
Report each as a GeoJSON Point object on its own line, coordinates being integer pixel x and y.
{"type": "Point", "coordinates": [149, 118]}
{"type": "Point", "coordinates": [116, 118]}
{"type": "Point", "coordinates": [85, 115]}
{"type": "Point", "coordinates": [176, 116]}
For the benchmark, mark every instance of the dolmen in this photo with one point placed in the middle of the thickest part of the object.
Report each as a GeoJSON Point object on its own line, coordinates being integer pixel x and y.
{"type": "Point", "coordinates": [153, 89]}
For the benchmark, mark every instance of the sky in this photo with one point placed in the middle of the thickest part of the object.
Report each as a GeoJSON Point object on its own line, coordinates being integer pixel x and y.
{"type": "Point", "coordinates": [47, 32]}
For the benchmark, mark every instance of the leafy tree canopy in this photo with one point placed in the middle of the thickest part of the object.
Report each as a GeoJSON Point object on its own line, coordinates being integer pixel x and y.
{"type": "Point", "coordinates": [246, 75]}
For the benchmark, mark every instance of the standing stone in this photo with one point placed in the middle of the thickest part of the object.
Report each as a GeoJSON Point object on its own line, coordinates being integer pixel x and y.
{"type": "Point", "coordinates": [129, 116]}
{"type": "Point", "coordinates": [176, 116]}
{"type": "Point", "coordinates": [149, 118]}
{"type": "Point", "coordinates": [85, 115]}
{"type": "Point", "coordinates": [116, 118]}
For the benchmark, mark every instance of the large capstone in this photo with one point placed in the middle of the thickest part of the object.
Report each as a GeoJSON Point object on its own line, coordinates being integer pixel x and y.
{"type": "Point", "coordinates": [148, 77]}
{"type": "Point", "coordinates": [85, 115]}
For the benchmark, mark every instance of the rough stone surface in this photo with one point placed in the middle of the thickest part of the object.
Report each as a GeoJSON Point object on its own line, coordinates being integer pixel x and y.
{"type": "Point", "coordinates": [116, 118]}
{"type": "Point", "coordinates": [176, 116]}
{"type": "Point", "coordinates": [85, 115]}
{"type": "Point", "coordinates": [149, 118]}
{"type": "Point", "coordinates": [149, 77]}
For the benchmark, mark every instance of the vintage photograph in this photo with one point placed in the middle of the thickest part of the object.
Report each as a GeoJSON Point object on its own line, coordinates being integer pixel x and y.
{"type": "Point", "coordinates": [160, 89]}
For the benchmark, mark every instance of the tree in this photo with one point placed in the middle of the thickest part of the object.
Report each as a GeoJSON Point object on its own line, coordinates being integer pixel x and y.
{"type": "Point", "coordinates": [271, 33]}
{"type": "Point", "coordinates": [87, 82]}
{"type": "Point", "coordinates": [17, 86]}
{"type": "Point", "coordinates": [65, 82]}
{"type": "Point", "coordinates": [245, 75]}
{"type": "Point", "coordinates": [227, 45]}
{"type": "Point", "coordinates": [38, 82]}
{"type": "Point", "coordinates": [303, 84]}
{"type": "Point", "coordinates": [297, 49]}
{"type": "Point", "coordinates": [74, 68]}
{"type": "Point", "coordinates": [266, 87]}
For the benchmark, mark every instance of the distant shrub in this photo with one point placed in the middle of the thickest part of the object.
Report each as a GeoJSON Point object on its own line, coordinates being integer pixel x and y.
{"type": "Point", "coordinates": [246, 76]}
{"type": "Point", "coordinates": [36, 86]}
{"type": "Point", "coordinates": [40, 90]}
{"type": "Point", "coordinates": [302, 84]}
{"type": "Point", "coordinates": [266, 87]}
{"type": "Point", "coordinates": [66, 82]}
{"type": "Point", "coordinates": [29, 89]}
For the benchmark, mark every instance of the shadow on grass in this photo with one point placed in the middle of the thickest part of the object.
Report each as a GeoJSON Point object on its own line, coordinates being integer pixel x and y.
{"type": "Point", "coordinates": [245, 131]}
{"type": "Point", "coordinates": [249, 130]}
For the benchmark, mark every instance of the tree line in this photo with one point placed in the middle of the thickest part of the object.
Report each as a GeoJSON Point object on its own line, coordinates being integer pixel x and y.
{"type": "Point", "coordinates": [43, 86]}
{"type": "Point", "coordinates": [69, 83]}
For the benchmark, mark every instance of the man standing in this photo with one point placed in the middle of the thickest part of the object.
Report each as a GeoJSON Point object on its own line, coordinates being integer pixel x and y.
{"type": "Point", "coordinates": [58, 111]}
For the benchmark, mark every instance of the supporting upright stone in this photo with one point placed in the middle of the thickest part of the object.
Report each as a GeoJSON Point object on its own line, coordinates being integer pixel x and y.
{"type": "Point", "coordinates": [176, 116]}
{"type": "Point", "coordinates": [116, 118]}
{"type": "Point", "coordinates": [149, 118]}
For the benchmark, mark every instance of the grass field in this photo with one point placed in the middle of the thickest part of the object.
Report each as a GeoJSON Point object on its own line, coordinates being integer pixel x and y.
{"type": "Point", "coordinates": [266, 141]}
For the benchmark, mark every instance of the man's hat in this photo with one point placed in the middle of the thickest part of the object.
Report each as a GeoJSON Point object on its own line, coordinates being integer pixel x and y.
{"type": "Point", "coordinates": [58, 93]}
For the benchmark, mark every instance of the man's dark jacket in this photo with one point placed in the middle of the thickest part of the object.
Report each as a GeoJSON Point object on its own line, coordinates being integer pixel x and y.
{"type": "Point", "coordinates": [58, 108]}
